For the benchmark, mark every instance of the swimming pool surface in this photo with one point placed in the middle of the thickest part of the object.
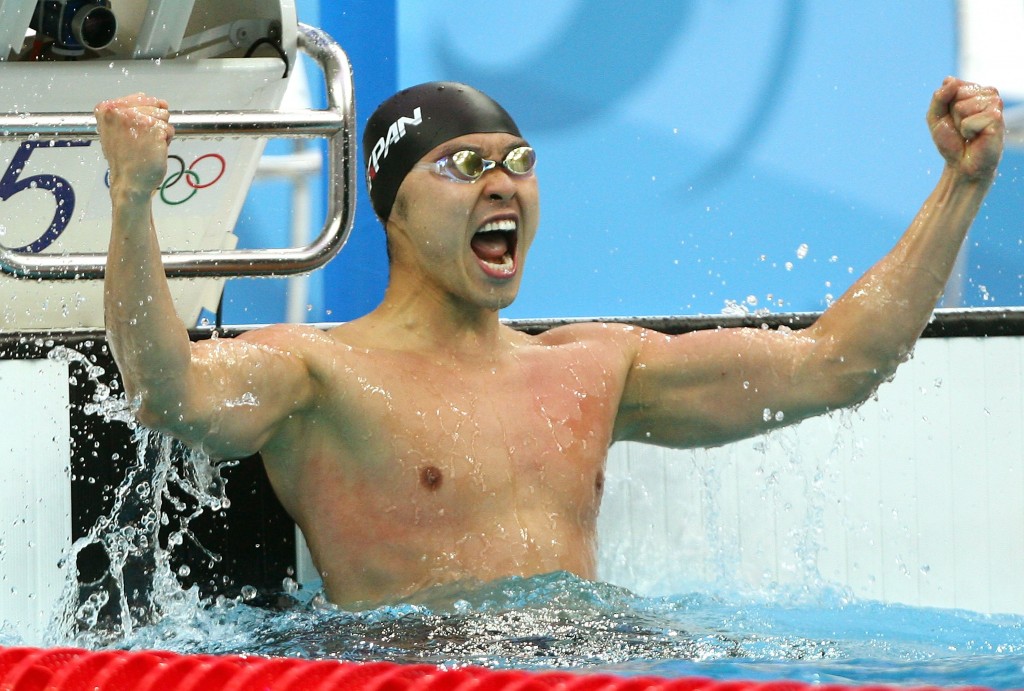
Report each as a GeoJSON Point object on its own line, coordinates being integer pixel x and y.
{"type": "Point", "coordinates": [558, 621]}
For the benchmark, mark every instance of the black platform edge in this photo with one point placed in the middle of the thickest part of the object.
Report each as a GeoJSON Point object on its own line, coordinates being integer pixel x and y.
{"type": "Point", "coordinates": [945, 323]}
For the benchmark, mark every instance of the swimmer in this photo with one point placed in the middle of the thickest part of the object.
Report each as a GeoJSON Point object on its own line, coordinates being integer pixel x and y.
{"type": "Point", "coordinates": [428, 443]}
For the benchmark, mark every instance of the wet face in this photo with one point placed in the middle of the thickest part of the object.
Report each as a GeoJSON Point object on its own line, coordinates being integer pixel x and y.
{"type": "Point", "coordinates": [466, 240]}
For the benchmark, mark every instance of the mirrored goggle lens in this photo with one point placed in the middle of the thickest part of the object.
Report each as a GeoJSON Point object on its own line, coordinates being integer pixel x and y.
{"type": "Point", "coordinates": [521, 160]}
{"type": "Point", "coordinates": [468, 165]}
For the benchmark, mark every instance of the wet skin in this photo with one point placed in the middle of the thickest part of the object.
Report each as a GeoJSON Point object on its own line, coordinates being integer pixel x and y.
{"type": "Point", "coordinates": [426, 442]}
{"type": "Point", "coordinates": [419, 468]}
{"type": "Point", "coordinates": [443, 446]}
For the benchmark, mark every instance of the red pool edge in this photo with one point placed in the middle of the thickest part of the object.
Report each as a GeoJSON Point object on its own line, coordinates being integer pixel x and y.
{"type": "Point", "coordinates": [66, 669]}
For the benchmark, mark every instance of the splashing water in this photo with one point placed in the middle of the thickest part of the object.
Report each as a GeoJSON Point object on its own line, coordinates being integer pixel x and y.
{"type": "Point", "coordinates": [165, 488]}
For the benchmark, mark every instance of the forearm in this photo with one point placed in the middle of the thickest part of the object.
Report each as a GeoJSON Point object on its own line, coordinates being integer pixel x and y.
{"type": "Point", "coordinates": [189, 390]}
{"type": "Point", "coordinates": [148, 340]}
{"type": "Point", "coordinates": [711, 387]}
{"type": "Point", "coordinates": [877, 321]}
{"type": "Point", "coordinates": [868, 332]}
{"type": "Point", "coordinates": [197, 393]}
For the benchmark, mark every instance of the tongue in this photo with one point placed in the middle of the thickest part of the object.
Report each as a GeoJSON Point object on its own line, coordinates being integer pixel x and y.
{"type": "Point", "coordinates": [490, 246]}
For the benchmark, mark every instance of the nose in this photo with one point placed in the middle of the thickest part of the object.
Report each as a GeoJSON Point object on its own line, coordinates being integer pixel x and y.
{"type": "Point", "coordinates": [499, 184]}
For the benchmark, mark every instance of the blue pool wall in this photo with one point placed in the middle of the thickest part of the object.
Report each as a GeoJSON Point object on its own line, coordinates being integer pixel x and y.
{"type": "Point", "coordinates": [693, 156]}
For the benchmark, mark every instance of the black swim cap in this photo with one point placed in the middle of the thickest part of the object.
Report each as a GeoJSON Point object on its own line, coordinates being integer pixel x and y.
{"type": "Point", "coordinates": [412, 122]}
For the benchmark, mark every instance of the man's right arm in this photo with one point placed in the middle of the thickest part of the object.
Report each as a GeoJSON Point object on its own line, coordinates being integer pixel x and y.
{"type": "Point", "coordinates": [226, 396]}
{"type": "Point", "coordinates": [712, 387]}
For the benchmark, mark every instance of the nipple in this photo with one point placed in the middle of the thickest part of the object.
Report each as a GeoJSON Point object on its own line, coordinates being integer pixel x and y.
{"type": "Point", "coordinates": [430, 477]}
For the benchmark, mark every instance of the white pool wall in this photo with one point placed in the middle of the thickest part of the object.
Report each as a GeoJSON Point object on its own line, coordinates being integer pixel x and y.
{"type": "Point", "coordinates": [35, 493]}
{"type": "Point", "coordinates": [916, 497]}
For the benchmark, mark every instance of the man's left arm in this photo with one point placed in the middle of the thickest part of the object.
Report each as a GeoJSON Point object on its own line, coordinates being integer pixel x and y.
{"type": "Point", "coordinates": [712, 387]}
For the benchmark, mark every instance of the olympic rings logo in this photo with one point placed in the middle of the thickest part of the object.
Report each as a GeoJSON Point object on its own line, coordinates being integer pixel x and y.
{"type": "Point", "coordinates": [210, 163]}
{"type": "Point", "coordinates": [191, 177]}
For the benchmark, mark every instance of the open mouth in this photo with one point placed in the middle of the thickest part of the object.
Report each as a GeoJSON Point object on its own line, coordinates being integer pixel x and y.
{"type": "Point", "coordinates": [494, 244]}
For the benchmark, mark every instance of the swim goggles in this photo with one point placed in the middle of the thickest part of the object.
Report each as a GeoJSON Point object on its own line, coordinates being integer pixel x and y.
{"type": "Point", "coordinates": [469, 166]}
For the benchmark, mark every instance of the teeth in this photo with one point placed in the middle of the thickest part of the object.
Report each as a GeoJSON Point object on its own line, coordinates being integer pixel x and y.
{"type": "Point", "coordinates": [505, 266]}
{"type": "Point", "coordinates": [504, 225]}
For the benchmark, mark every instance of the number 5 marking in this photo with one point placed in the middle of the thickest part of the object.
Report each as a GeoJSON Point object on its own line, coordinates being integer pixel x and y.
{"type": "Point", "coordinates": [60, 188]}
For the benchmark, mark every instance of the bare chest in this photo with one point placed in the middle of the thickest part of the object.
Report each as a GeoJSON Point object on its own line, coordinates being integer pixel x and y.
{"type": "Point", "coordinates": [521, 432]}
{"type": "Point", "coordinates": [482, 425]}
{"type": "Point", "coordinates": [426, 463]}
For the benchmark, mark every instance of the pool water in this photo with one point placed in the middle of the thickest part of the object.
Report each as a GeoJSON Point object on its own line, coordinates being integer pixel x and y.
{"type": "Point", "coordinates": [559, 621]}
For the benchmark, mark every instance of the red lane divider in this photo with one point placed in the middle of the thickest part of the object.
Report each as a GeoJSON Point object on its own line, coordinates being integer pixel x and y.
{"type": "Point", "coordinates": [73, 669]}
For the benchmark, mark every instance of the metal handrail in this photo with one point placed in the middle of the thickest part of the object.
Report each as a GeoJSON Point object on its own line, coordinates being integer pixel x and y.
{"type": "Point", "coordinates": [336, 123]}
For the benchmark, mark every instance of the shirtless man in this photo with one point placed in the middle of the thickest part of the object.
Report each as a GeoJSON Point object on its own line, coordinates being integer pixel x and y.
{"type": "Point", "coordinates": [426, 442]}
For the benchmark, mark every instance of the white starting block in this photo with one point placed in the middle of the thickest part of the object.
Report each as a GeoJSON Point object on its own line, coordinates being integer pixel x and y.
{"type": "Point", "coordinates": [991, 52]}
{"type": "Point", "coordinates": [223, 67]}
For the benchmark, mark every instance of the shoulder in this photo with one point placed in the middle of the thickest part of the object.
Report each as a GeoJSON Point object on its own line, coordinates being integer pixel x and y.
{"type": "Point", "coordinates": [593, 333]}
{"type": "Point", "coordinates": [300, 344]}
{"type": "Point", "coordinates": [613, 346]}
{"type": "Point", "coordinates": [288, 336]}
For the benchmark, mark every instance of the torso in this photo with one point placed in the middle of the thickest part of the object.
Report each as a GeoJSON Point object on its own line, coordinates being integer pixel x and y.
{"type": "Point", "coordinates": [413, 470]}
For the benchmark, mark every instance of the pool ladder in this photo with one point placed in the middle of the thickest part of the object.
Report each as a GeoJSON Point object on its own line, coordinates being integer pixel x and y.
{"type": "Point", "coordinates": [336, 123]}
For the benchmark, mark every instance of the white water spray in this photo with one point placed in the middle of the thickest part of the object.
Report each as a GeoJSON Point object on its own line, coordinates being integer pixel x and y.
{"type": "Point", "coordinates": [165, 487]}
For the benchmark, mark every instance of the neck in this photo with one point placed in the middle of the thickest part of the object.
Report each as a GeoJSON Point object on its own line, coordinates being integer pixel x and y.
{"type": "Point", "coordinates": [420, 315]}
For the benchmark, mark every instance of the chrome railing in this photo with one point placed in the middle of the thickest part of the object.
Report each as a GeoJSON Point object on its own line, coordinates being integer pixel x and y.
{"type": "Point", "coordinates": [336, 123]}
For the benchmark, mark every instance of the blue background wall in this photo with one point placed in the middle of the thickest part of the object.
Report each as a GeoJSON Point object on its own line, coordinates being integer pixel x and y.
{"type": "Point", "coordinates": [693, 155]}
